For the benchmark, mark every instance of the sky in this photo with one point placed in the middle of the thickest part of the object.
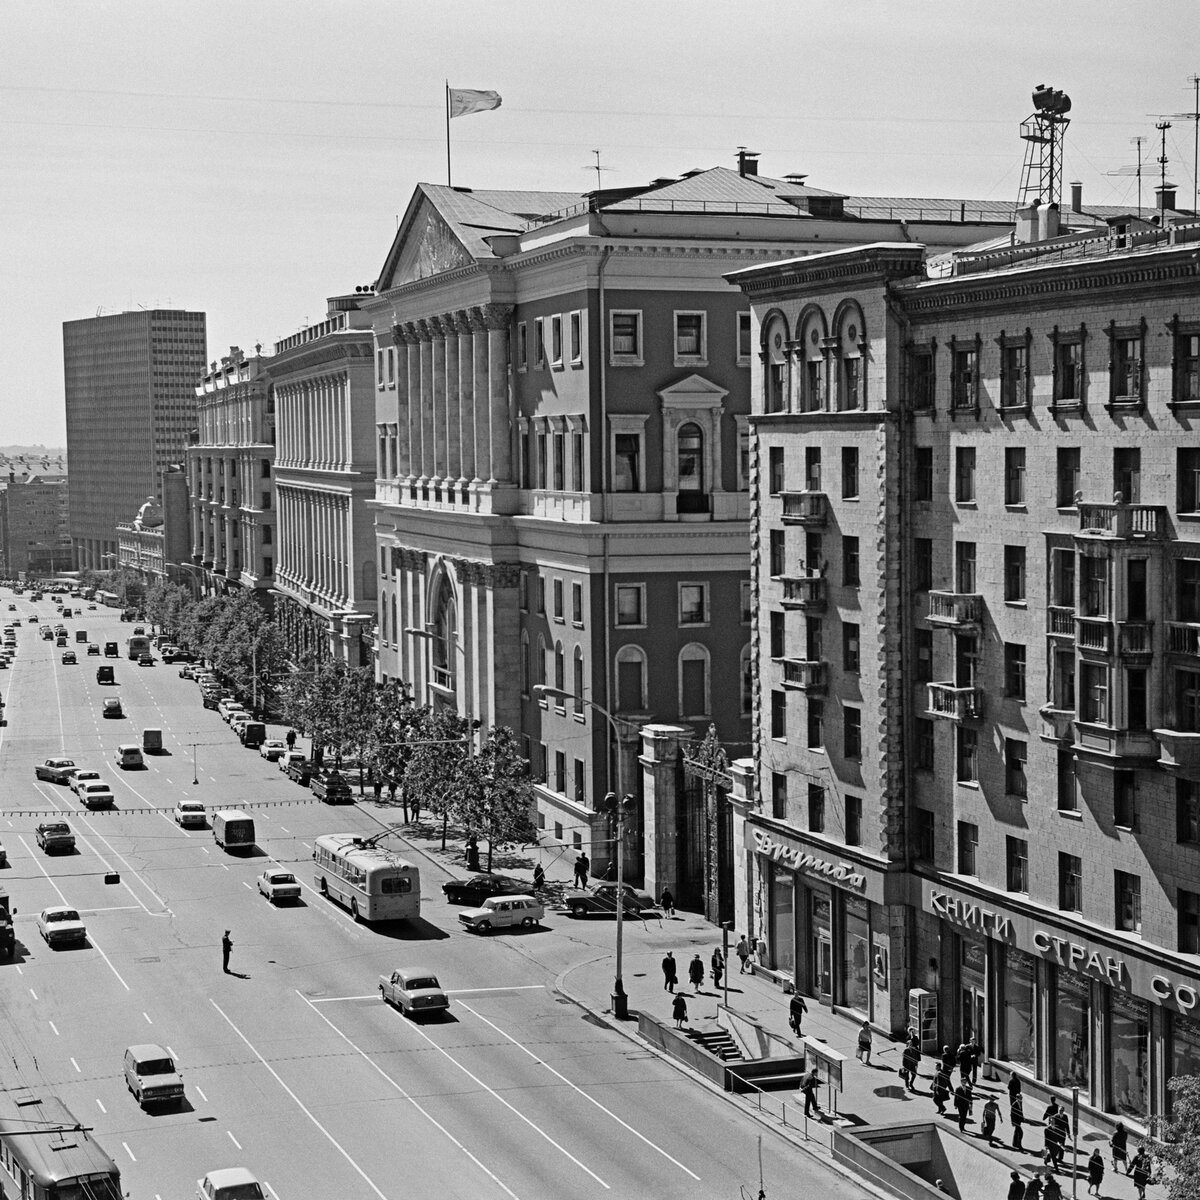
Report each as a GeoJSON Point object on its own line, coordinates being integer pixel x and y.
{"type": "Point", "coordinates": [252, 158]}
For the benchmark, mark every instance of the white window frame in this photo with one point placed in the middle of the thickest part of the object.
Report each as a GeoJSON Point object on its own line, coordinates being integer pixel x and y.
{"type": "Point", "coordinates": [746, 598]}
{"type": "Point", "coordinates": [636, 359]}
{"type": "Point", "coordinates": [575, 329]}
{"type": "Point", "coordinates": [556, 341]}
{"type": "Point", "coordinates": [743, 320]}
{"type": "Point", "coordinates": [391, 366]}
{"type": "Point", "coordinates": [558, 600]}
{"type": "Point", "coordinates": [379, 366]}
{"type": "Point", "coordinates": [640, 588]}
{"type": "Point", "coordinates": [703, 585]}
{"type": "Point", "coordinates": [539, 342]}
{"type": "Point", "coordinates": [694, 652]}
{"type": "Point", "coordinates": [742, 422]}
{"type": "Point", "coordinates": [633, 424]}
{"type": "Point", "coordinates": [632, 653]}
{"type": "Point", "coordinates": [522, 346]}
{"type": "Point", "coordinates": [690, 360]}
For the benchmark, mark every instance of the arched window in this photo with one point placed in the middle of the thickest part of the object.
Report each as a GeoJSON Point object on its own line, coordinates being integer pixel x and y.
{"type": "Point", "coordinates": [383, 614]}
{"type": "Point", "coordinates": [693, 491]}
{"type": "Point", "coordinates": [525, 671]}
{"type": "Point", "coordinates": [812, 362]}
{"type": "Point", "coordinates": [541, 659]}
{"type": "Point", "coordinates": [775, 379]}
{"type": "Point", "coordinates": [560, 668]}
{"type": "Point", "coordinates": [694, 700]}
{"type": "Point", "coordinates": [445, 638]}
{"type": "Point", "coordinates": [632, 683]}
{"type": "Point", "coordinates": [851, 378]}
{"type": "Point", "coordinates": [577, 691]}
{"type": "Point", "coordinates": [746, 674]}
{"type": "Point", "coordinates": [395, 626]}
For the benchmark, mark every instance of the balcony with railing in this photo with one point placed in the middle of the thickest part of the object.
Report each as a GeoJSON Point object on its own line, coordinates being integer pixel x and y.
{"type": "Point", "coordinates": [1058, 724]}
{"type": "Point", "coordinates": [805, 508]}
{"type": "Point", "coordinates": [1183, 637]}
{"type": "Point", "coordinates": [1094, 633]}
{"type": "Point", "coordinates": [1135, 639]}
{"type": "Point", "coordinates": [953, 703]}
{"type": "Point", "coordinates": [804, 674]}
{"type": "Point", "coordinates": [1060, 621]}
{"type": "Point", "coordinates": [804, 591]}
{"type": "Point", "coordinates": [955, 610]}
{"type": "Point", "coordinates": [1122, 520]}
{"type": "Point", "coordinates": [1180, 752]}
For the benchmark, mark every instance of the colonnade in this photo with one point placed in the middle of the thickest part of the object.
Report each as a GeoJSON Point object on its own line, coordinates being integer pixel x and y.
{"type": "Point", "coordinates": [315, 554]}
{"type": "Point", "coordinates": [313, 420]}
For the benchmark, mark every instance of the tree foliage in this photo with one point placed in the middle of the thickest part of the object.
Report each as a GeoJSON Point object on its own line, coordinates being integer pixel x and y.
{"type": "Point", "coordinates": [496, 797]}
{"type": "Point", "coordinates": [1181, 1146]}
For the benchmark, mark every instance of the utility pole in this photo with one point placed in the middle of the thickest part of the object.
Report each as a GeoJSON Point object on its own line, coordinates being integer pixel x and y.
{"type": "Point", "coordinates": [1162, 127]}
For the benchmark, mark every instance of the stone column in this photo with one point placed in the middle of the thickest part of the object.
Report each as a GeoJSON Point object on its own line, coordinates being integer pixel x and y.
{"type": "Point", "coordinates": [425, 413]}
{"type": "Point", "coordinates": [497, 317]}
{"type": "Point", "coordinates": [466, 397]}
{"type": "Point", "coordinates": [660, 785]}
{"type": "Point", "coordinates": [480, 401]}
{"type": "Point", "coordinates": [403, 350]}
{"type": "Point", "coordinates": [453, 470]}
{"type": "Point", "coordinates": [438, 406]}
{"type": "Point", "coordinates": [741, 802]}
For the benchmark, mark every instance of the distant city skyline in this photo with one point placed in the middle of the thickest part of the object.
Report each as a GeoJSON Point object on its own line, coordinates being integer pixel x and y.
{"type": "Point", "coordinates": [147, 171]}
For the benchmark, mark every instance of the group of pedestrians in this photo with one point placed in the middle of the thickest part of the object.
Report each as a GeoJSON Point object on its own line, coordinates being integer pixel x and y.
{"type": "Point", "coordinates": [695, 970]}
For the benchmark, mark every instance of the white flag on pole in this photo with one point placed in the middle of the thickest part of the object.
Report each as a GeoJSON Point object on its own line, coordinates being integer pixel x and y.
{"type": "Point", "coordinates": [465, 101]}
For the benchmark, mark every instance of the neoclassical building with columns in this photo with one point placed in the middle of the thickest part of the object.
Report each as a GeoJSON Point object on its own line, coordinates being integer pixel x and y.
{"type": "Point", "coordinates": [562, 393]}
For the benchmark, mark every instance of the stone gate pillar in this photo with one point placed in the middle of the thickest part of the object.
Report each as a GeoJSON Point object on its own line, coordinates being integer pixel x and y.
{"type": "Point", "coordinates": [660, 789]}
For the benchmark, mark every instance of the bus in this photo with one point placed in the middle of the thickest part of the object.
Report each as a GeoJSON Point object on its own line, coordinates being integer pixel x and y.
{"type": "Point", "coordinates": [373, 883]}
{"type": "Point", "coordinates": [46, 1154]}
{"type": "Point", "coordinates": [137, 645]}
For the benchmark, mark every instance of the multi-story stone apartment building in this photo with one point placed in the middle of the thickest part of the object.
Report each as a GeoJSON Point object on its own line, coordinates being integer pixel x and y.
{"type": "Point", "coordinates": [229, 472]}
{"type": "Point", "coordinates": [977, 647]}
{"type": "Point", "coordinates": [157, 541]}
{"type": "Point", "coordinates": [131, 406]}
{"type": "Point", "coordinates": [35, 534]}
{"type": "Point", "coordinates": [326, 577]}
{"type": "Point", "coordinates": [562, 497]}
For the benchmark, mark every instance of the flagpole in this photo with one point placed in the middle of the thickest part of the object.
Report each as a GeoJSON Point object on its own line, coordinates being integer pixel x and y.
{"type": "Point", "coordinates": [448, 183]}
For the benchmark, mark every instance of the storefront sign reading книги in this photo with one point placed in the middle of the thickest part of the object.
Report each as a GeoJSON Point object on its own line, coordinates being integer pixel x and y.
{"type": "Point", "coordinates": [800, 859]}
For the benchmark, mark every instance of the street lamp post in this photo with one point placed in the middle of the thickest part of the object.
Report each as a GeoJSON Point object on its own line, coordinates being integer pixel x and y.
{"type": "Point", "coordinates": [617, 808]}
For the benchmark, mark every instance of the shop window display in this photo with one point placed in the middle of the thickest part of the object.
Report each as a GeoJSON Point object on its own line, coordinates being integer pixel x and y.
{"type": "Point", "coordinates": [1020, 1007]}
{"type": "Point", "coordinates": [822, 944]}
{"type": "Point", "coordinates": [783, 920]}
{"type": "Point", "coordinates": [1130, 1055]}
{"type": "Point", "coordinates": [1185, 1048]}
{"type": "Point", "coordinates": [856, 989]}
{"type": "Point", "coordinates": [1072, 1032]}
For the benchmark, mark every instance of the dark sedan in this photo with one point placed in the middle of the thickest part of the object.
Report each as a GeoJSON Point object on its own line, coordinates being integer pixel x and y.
{"type": "Point", "coordinates": [475, 889]}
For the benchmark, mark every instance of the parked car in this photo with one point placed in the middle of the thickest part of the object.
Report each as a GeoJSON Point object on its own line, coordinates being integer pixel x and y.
{"type": "Point", "coordinates": [238, 719]}
{"type": "Point", "coordinates": [475, 889]}
{"type": "Point", "coordinates": [415, 991]}
{"type": "Point", "coordinates": [169, 653]}
{"type": "Point", "coordinates": [300, 770]}
{"type": "Point", "coordinates": [80, 777]}
{"type": "Point", "coordinates": [603, 899]}
{"type": "Point", "coordinates": [97, 795]}
{"type": "Point", "coordinates": [231, 1183]}
{"type": "Point", "coordinates": [61, 925]}
{"type": "Point", "coordinates": [279, 885]}
{"type": "Point", "coordinates": [191, 813]}
{"type": "Point", "coordinates": [332, 788]}
{"type": "Point", "coordinates": [290, 756]}
{"type": "Point", "coordinates": [55, 770]}
{"type": "Point", "coordinates": [503, 912]}
{"type": "Point", "coordinates": [272, 749]}
{"type": "Point", "coordinates": [228, 706]}
{"type": "Point", "coordinates": [209, 700]}
{"type": "Point", "coordinates": [186, 672]}
{"type": "Point", "coordinates": [112, 708]}
{"type": "Point", "coordinates": [54, 835]}
{"type": "Point", "coordinates": [152, 1076]}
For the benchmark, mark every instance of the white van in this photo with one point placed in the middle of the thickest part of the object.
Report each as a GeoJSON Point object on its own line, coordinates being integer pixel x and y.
{"type": "Point", "coordinates": [129, 755]}
{"type": "Point", "coordinates": [233, 829]}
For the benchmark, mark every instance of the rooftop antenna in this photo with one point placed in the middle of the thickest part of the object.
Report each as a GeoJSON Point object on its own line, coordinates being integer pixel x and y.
{"type": "Point", "coordinates": [1043, 132]}
{"type": "Point", "coordinates": [1162, 128]}
{"type": "Point", "coordinates": [1194, 117]}
{"type": "Point", "coordinates": [1134, 171]}
{"type": "Point", "coordinates": [597, 168]}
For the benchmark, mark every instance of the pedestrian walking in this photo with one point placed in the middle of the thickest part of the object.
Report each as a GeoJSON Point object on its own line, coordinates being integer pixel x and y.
{"type": "Point", "coordinates": [1016, 1116]}
{"type": "Point", "coordinates": [1140, 1170]}
{"type": "Point", "coordinates": [376, 783]}
{"type": "Point", "coordinates": [1033, 1189]}
{"type": "Point", "coordinates": [679, 1010]}
{"type": "Point", "coordinates": [1119, 1145]}
{"type": "Point", "coordinates": [718, 966]}
{"type": "Point", "coordinates": [226, 948]}
{"type": "Point", "coordinates": [1052, 1189]}
{"type": "Point", "coordinates": [908, 1066]}
{"type": "Point", "coordinates": [1053, 1151]}
{"type": "Point", "coordinates": [539, 878]}
{"type": "Point", "coordinates": [391, 789]}
{"type": "Point", "coordinates": [1095, 1171]}
{"type": "Point", "coordinates": [941, 1090]}
{"type": "Point", "coordinates": [743, 952]}
{"type": "Point", "coordinates": [965, 1059]}
{"type": "Point", "coordinates": [1062, 1128]}
{"type": "Point", "coordinates": [668, 902]}
{"type": "Point", "coordinates": [976, 1058]}
{"type": "Point", "coordinates": [863, 1050]}
{"type": "Point", "coordinates": [962, 1104]}
{"type": "Point", "coordinates": [670, 975]}
{"type": "Point", "coordinates": [1014, 1085]}
{"type": "Point", "coordinates": [948, 1059]}
{"type": "Point", "coordinates": [809, 1087]}
{"type": "Point", "coordinates": [989, 1119]}
{"type": "Point", "coordinates": [696, 972]}
{"type": "Point", "coordinates": [796, 1011]}
{"type": "Point", "coordinates": [580, 871]}
{"type": "Point", "coordinates": [291, 739]}
{"type": "Point", "coordinates": [1016, 1189]}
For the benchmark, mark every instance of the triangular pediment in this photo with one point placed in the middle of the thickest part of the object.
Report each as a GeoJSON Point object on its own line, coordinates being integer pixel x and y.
{"type": "Point", "coordinates": [428, 247]}
{"type": "Point", "coordinates": [693, 391]}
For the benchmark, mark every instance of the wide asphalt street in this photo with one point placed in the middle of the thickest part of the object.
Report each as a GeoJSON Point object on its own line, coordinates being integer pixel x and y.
{"type": "Point", "coordinates": [294, 1066]}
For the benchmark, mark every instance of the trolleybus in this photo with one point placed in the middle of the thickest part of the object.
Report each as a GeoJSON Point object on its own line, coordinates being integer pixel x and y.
{"type": "Point", "coordinates": [46, 1154]}
{"type": "Point", "coordinates": [373, 883]}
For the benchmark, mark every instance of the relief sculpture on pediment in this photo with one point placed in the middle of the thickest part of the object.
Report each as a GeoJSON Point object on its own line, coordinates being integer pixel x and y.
{"type": "Point", "coordinates": [432, 249]}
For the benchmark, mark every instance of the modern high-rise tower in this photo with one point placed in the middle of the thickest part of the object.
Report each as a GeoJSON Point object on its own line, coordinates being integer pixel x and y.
{"type": "Point", "coordinates": [130, 391]}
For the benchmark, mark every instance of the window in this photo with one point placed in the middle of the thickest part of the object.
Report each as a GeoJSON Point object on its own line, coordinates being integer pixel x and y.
{"type": "Point", "coordinates": [560, 674]}
{"type": "Point", "coordinates": [850, 572]}
{"type": "Point", "coordinates": [560, 772]}
{"type": "Point", "coordinates": [775, 470]}
{"type": "Point", "coordinates": [964, 567]}
{"type": "Point", "coordinates": [744, 595]}
{"type": "Point", "coordinates": [627, 458]}
{"type": "Point", "coordinates": [578, 472]}
{"type": "Point", "coordinates": [743, 339]}
{"type": "Point", "coordinates": [1187, 480]}
{"type": "Point", "coordinates": [964, 379]}
{"type": "Point", "coordinates": [1014, 670]}
{"type": "Point", "coordinates": [693, 604]}
{"type": "Point", "coordinates": [1187, 701]}
{"type": "Point", "coordinates": [922, 564]}
{"type": "Point", "coordinates": [1068, 476]}
{"type": "Point", "coordinates": [543, 460]}
{"type": "Point", "coordinates": [557, 592]}
{"type": "Point", "coordinates": [1070, 883]}
{"type": "Point", "coordinates": [694, 700]}
{"type": "Point", "coordinates": [968, 847]}
{"type": "Point", "coordinates": [1187, 905]}
{"type": "Point", "coordinates": [1067, 794]}
{"type": "Point", "coordinates": [776, 551]}
{"type": "Point", "coordinates": [1186, 367]}
{"type": "Point", "coordinates": [1016, 859]}
{"type": "Point", "coordinates": [1014, 475]}
{"type": "Point", "coordinates": [920, 379]}
{"type": "Point", "coordinates": [631, 679]}
{"type": "Point", "coordinates": [1127, 475]}
{"type": "Point", "coordinates": [690, 469]}
{"type": "Point", "coordinates": [580, 781]}
{"type": "Point", "coordinates": [526, 670]}
{"type": "Point", "coordinates": [850, 378]}
{"type": "Point", "coordinates": [1124, 800]}
{"type": "Point", "coordinates": [1093, 590]}
{"type": "Point", "coordinates": [1094, 692]}
{"type": "Point", "coordinates": [1014, 374]}
{"type": "Point", "coordinates": [1127, 894]}
{"type": "Point", "coordinates": [812, 468]}
{"type": "Point", "coordinates": [1137, 699]}
{"type": "Point", "coordinates": [852, 733]}
{"type": "Point", "coordinates": [812, 639]}
{"type": "Point", "coordinates": [923, 485]}
{"type": "Point", "coordinates": [1187, 589]}
{"type": "Point", "coordinates": [923, 645]}
{"type": "Point", "coordinates": [779, 714]}
{"type": "Point", "coordinates": [964, 474]}
{"type": "Point", "coordinates": [1125, 370]}
{"type": "Point", "coordinates": [631, 604]}
{"type": "Point", "coordinates": [522, 346]}
{"type": "Point", "coordinates": [854, 815]}
{"type": "Point", "coordinates": [523, 591]}
{"type": "Point", "coordinates": [816, 808]}
{"type": "Point", "coordinates": [1014, 573]}
{"type": "Point", "coordinates": [776, 634]}
{"type": "Point", "coordinates": [816, 724]}
{"type": "Point", "coordinates": [539, 342]}
{"type": "Point", "coordinates": [850, 651]}
{"type": "Point", "coordinates": [690, 340]}
{"type": "Point", "coordinates": [625, 337]}
{"type": "Point", "coordinates": [576, 338]}
{"type": "Point", "coordinates": [746, 678]}
{"type": "Point", "coordinates": [779, 796]}
{"type": "Point", "coordinates": [923, 834]}
{"type": "Point", "coordinates": [849, 472]}
{"type": "Point", "coordinates": [775, 378]}
{"type": "Point", "coordinates": [379, 369]}
{"type": "Point", "coordinates": [743, 454]}
{"type": "Point", "coordinates": [967, 766]}
{"type": "Point", "coordinates": [1015, 754]}
{"type": "Point", "coordinates": [577, 603]}
{"type": "Point", "coordinates": [923, 743]}
{"type": "Point", "coordinates": [1068, 370]}
{"type": "Point", "coordinates": [556, 340]}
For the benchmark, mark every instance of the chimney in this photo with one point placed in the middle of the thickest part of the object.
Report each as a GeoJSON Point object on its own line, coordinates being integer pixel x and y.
{"type": "Point", "coordinates": [747, 161]}
{"type": "Point", "coordinates": [1027, 223]}
{"type": "Point", "coordinates": [1047, 222]}
{"type": "Point", "coordinates": [1164, 196]}
{"type": "Point", "coordinates": [1076, 196]}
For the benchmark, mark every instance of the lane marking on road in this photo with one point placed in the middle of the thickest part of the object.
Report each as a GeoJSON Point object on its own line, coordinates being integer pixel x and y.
{"type": "Point", "coordinates": [339, 999]}
{"type": "Point", "coordinates": [246, 885]}
{"type": "Point", "coordinates": [423, 1111]}
{"type": "Point", "coordinates": [129, 1152]}
{"type": "Point", "coordinates": [233, 1139]}
{"type": "Point", "coordinates": [487, 991]}
{"type": "Point", "coordinates": [100, 1105]}
{"type": "Point", "coordinates": [591, 1099]}
{"type": "Point", "coordinates": [147, 1016]}
{"type": "Point", "coordinates": [299, 1103]}
{"type": "Point", "coordinates": [285, 830]}
{"type": "Point", "coordinates": [511, 1108]}
{"type": "Point", "coordinates": [117, 908]}
{"type": "Point", "coordinates": [201, 1095]}
{"type": "Point", "coordinates": [76, 1066]}
{"type": "Point", "coordinates": [33, 993]}
{"type": "Point", "coordinates": [170, 1052]}
{"type": "Point", "coordinates": [55, 1028]}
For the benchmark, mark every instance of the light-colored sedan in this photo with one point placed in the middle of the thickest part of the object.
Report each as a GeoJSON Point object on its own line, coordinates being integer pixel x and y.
{"type": "Point", "coordinates": [231, 1183]}
{"type": "Point", "coordinates": [191, 812]}
{"type": "Point", "coordinates": [279, 885]}
{"type": "Point", "coordinates": [415, 991]}
{"type": "Point", "coordinates": [81, 777]}
{"type": "Point", "coordinates": [97, 795]}
{"type": "Point", "coordinates": [288, 757]}
{"type": "Point", "coordinates": [61, 925]}
{"type": "Point", "coordinates": [272, 749]}
{"type": "Point", "coordinates": [55, 770]}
